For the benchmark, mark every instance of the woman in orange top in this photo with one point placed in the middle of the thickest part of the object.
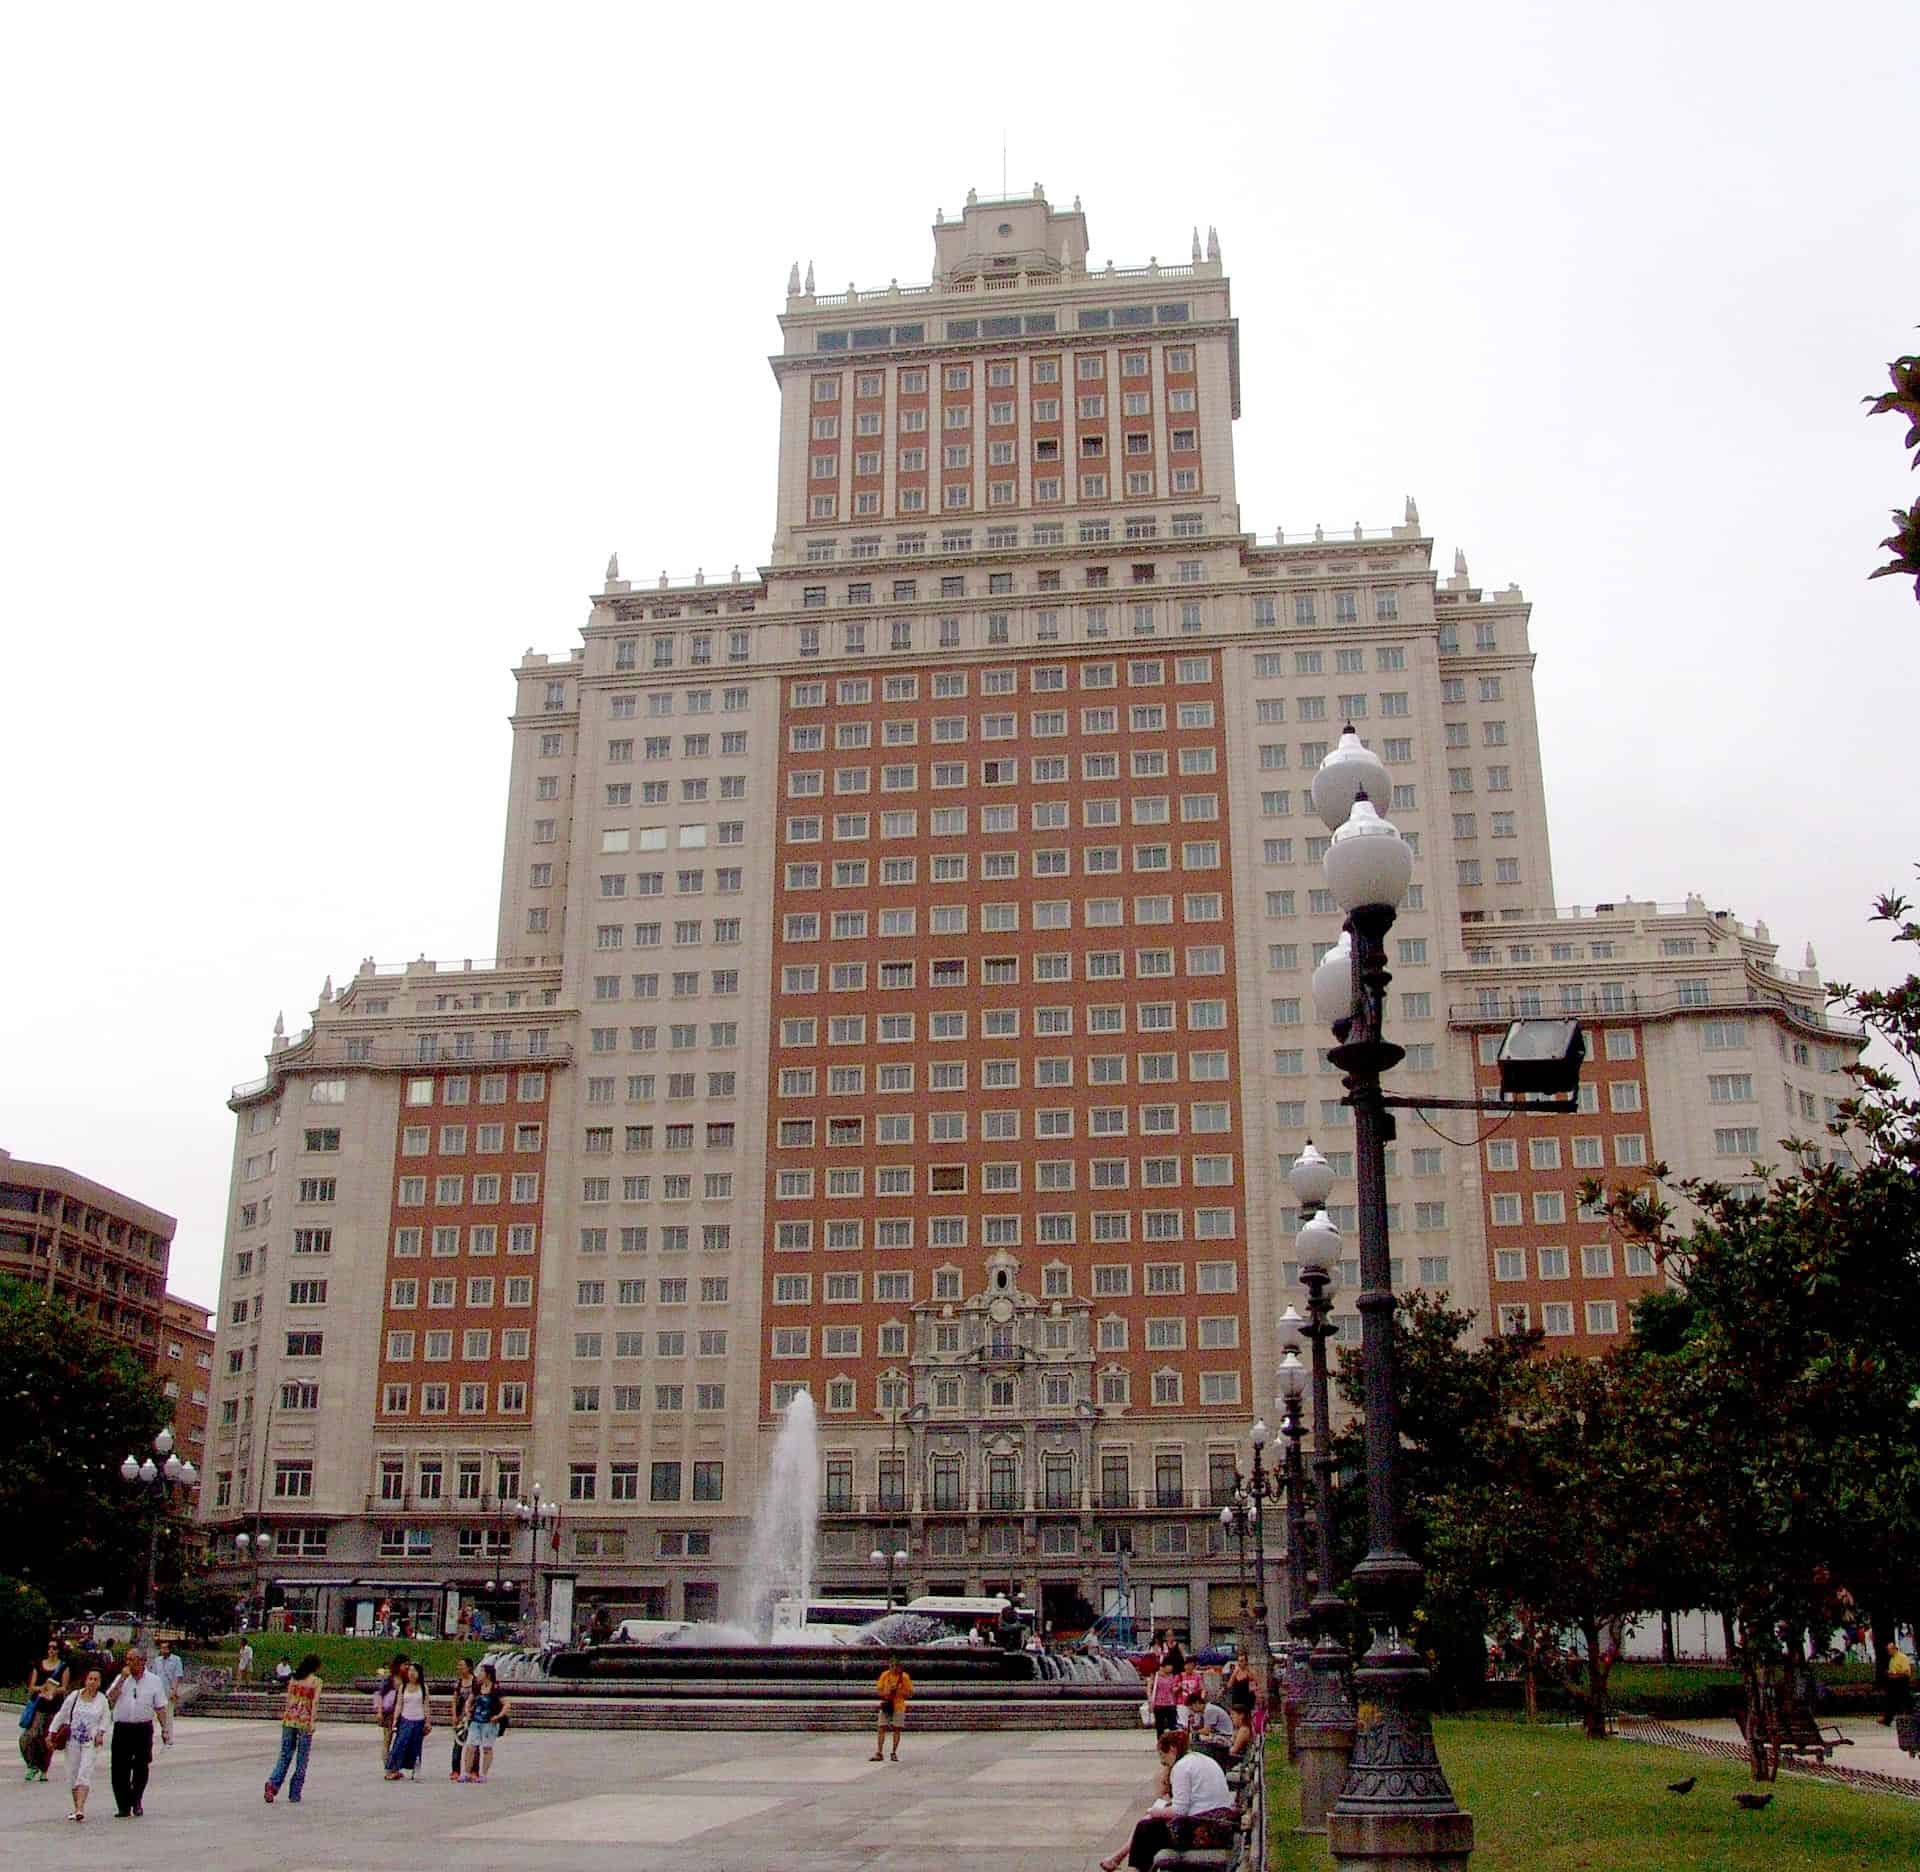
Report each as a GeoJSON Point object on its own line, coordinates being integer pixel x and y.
{"type": "Point", "coordinates": [895, 1686]}
{"type": "Point", "coordinates": [296, 1728]}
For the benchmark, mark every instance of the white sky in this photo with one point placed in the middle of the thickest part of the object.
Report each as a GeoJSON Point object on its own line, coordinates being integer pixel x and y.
{"type": "Point", "coordinates": [342, 346]}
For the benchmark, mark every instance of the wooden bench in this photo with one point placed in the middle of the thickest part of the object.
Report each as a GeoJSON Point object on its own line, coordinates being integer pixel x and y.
{"type": "Point", "coordinates": [1795, 1730]}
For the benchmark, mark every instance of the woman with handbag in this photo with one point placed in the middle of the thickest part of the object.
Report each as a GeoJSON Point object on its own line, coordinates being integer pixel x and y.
{"type": "Point", "coordinates": [386, 1703]}
{"type": "Point", "coordinates": [79, 1729]}
{"type": "Point", "coordinates": [461, 1714]}
{"type": "Point", "coordinates": [413, 1723]}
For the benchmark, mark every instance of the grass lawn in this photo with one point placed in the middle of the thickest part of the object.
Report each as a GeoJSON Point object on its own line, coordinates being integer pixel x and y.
{"type": "Point", "coordinates": [1629, 1681]}
{"type": "Point", "coordinates": [1546, 1800]}
{"type": "Point", "coordinates": [343, 1658]}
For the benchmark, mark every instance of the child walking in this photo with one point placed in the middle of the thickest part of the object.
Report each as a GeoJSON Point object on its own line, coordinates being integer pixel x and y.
{"type": "Point", "coordinates": [484, 1725]}
{"type": "Point", "coordinates": [296, 1728]}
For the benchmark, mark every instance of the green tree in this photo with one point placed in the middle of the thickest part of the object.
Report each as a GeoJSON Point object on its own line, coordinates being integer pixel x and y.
{"type": "Point", "coordinates": [79, 1402]}
{"type": "Point", "coordinates": [1579, 1517]}
{"type": "Point", "coordinates": [1450, 1389]}
{"type": "Point", "coordinates": [1903, 543]}
{"type": "Point", "coordinates": [25, 1619]}
{"type": "Point", "coordinates": [1789, 1362]}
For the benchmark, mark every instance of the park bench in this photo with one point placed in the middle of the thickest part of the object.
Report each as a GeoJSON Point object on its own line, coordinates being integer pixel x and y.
{"type": "Point", "coordinates": [1247, 1851]}
{"type": "Point", "coordinates": [1795, 1730]}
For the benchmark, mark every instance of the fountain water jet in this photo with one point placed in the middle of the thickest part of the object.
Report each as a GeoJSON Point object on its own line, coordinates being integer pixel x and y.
{"type": "Point", "coordinates": [780, 1555]}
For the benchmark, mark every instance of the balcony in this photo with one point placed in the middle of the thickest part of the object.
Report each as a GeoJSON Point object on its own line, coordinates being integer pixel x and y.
{"type": "Point", "coordinates": [1721, 997]}
{"type": "Point", "coordinates": [350, 1053]}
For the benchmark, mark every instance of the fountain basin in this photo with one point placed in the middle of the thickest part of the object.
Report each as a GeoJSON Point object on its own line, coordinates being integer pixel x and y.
{"type": "Point", "coordinates": [627, 1664]}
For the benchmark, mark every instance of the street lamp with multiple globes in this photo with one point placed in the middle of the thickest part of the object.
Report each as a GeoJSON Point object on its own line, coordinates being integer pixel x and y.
{"type": "Point", "coordinates": [1396, 1805]}
{"type": "Point", "coordinates": [1236, 1525]}
{"type": "Point", "coordinates": [1260, 1487]}
{"type": "Point", "coordinates": [255, 1549]}
{"type": "Point", "coordinates": [1299, 1616]}
{"type": "Point", "coordinates": [537, 1517]}
{"type": "Point", "coordinates": [1326, 1723]}
{"type": "Point", "coordinates": [160, 1480]}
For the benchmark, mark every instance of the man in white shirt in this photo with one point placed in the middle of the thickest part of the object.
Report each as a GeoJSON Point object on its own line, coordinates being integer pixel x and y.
{"type": "Point", "coordinates": [138, 1699]}
{"type": "Point", "coordinates": [169, 1669]}
{"type": "Point", "coordinates": [243, 1664]}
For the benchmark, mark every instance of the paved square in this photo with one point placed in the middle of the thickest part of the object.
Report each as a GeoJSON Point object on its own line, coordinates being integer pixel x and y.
{"type": "Point", "coordinates": [585, 1800]}
{"type": "Point", "coordinates": [622, 1819]}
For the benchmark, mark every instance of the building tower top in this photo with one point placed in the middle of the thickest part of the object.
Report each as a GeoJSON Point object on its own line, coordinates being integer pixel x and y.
{"type": "Point", "coordinates": [1010, 234]}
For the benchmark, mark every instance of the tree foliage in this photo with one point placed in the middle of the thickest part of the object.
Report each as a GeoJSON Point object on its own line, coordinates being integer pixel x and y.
{"type": "Point", "coordinates": [1789, 1361]}
{"type": "Point", "coordinates": [1903, 543]}
{"type": "Point", "coordinates": [78, 1403]}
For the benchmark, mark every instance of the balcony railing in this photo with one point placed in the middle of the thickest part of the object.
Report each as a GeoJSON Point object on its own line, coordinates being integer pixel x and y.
{"type": "Point", "coordinates": [1038, 1499]}
{"type": "Point", "coordinates": [1720, 997]}
{"type": "Point", "coordinates": [350, 1053]}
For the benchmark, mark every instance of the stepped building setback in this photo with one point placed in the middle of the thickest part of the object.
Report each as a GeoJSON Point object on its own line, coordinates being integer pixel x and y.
{"type": "Point", "coordinates": [902, 993]}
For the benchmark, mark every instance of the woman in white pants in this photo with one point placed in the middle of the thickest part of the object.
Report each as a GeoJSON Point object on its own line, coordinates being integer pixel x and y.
{"type": "Point", "coordinates": [84, 1719]}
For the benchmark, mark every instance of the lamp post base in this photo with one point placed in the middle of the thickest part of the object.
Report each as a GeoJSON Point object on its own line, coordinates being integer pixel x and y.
{"type": "Point", "coordinates": [1389, 1842]}
{"type": "Point", "coordinates": [1322, 1752]}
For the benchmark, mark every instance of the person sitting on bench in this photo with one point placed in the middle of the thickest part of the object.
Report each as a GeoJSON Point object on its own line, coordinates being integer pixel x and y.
{"type": "Point", "coordinates": [1200, 1812]}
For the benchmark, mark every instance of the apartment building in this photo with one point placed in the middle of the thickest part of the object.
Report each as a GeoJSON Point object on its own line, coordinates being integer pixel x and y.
{"type": "Point", "coordinates": [103, 1253]}
{"type": "Point", "coordinates": [903, 996]}
{"type": "Point", "coordinates": [183, 1360]}
{"type": "Point", "coordinates": [1704, 1054]}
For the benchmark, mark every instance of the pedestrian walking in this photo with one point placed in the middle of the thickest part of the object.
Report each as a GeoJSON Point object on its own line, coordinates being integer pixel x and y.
{"type": "Point", "coordinates": [243, 1664]}
{"type": "Point", "coordinates": [894, 1687]}
{"type": "Point", "coordinates": [78, 1729]}
{"type": "Point", "coordinates": [168, 1667]}
{"type": "Point", "coordinates": [460, 1715]}
{"type": "Point", "coordinates": [47, 1686]}
{"type": "Point", "coordinates": [1163, 1693]}
{"type": "Point", "coordinates": [297, 1717]}
{"type": "Point", "coordinates": [1899, 1684]}
{"type": "Point", "coordinates": [386, 1701]}
{"type": "Point", "coordinates": [412, 1724]}
{"type": "Point", "coordinates": [138, 1700]}
{"type": "Point", "coordinates": [484, 1725]}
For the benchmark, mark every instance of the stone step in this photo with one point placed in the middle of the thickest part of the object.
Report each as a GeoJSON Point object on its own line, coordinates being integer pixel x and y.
{"type": "Point", "coordinates": [808, 1714]}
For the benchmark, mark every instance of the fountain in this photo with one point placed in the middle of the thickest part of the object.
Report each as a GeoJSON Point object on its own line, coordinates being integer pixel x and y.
{"type": "Point", "coordinates": [769, 1643]}
{"type": "Point", "coordinates": [786, 1523]}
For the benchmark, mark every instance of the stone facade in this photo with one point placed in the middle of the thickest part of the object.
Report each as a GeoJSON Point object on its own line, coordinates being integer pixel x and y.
{"type": "Point", "coordinates": [904, 994]}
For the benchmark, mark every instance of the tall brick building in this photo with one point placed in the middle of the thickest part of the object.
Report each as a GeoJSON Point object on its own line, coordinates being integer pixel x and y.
{"type": "Point", "coordinates": [902, 993]}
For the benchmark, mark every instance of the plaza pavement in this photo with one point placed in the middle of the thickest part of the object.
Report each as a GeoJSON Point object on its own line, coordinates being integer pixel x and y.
{"type": "Point", "coordinates": [586, 1801]}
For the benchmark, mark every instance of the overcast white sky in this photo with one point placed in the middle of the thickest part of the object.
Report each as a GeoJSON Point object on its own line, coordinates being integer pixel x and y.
{"type": "Point", "coordinates": [342, 346]}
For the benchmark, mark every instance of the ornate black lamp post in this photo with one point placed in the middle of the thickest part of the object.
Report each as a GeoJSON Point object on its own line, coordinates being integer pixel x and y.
{"type": "Point", "coordinates": [1396, 1807]}
{"type": "Point", "coordinates": [538, 1517]}
{"type": "Point", "coordinates": [889, 1557]}
{"type": "Point", "coordinates": [1299, 1615]}
{"type": "Point", "coordinates": [159, 1480]}
{"type": "Point", "coordinates": [254, 1549]}
{"type": "Point", "coordinates": [1326, 1723]}
{"type": "Point", "coordinates": [1234, 1527]}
